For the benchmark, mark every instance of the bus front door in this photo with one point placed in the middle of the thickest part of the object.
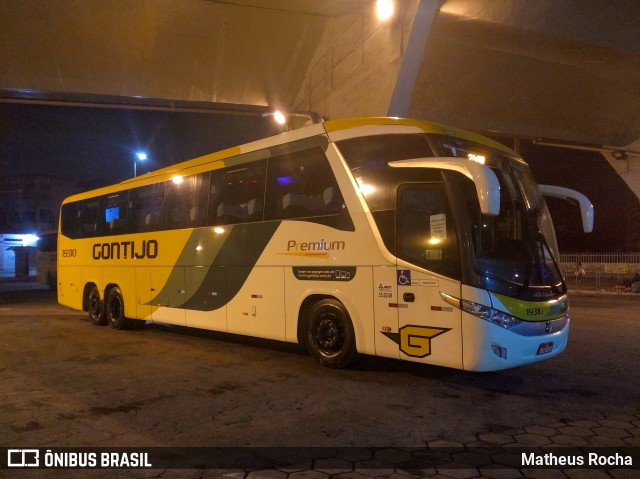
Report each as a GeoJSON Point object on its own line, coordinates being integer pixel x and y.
{"type": "Point", "coordinates": [429, 330]}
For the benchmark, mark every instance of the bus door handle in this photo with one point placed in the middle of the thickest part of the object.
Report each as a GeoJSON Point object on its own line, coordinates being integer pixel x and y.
{"type": "Point", "coordinates": [408, 297]}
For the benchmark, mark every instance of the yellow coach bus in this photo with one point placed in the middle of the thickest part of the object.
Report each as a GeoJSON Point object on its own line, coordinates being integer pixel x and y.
{"type": "Point", "coordinates": [382, 236]}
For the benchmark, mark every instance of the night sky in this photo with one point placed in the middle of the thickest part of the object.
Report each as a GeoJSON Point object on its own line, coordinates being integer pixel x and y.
{"type": "Point", "coordinates": [97, 145]}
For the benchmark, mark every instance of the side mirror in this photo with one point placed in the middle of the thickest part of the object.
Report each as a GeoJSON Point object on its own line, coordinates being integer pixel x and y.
{"type": "Point", "coordinates": [586, 208]}
{"type": "Point", "coordinates": [486, 181]}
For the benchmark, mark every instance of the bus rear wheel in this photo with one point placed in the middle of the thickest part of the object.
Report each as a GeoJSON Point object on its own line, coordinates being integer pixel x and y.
{"type": "Point", "coordinates": [330, 337]}
{"type": "Point", "coordinates": [114, 309]}
{"type": "Point", "coordinates": [95, 307]}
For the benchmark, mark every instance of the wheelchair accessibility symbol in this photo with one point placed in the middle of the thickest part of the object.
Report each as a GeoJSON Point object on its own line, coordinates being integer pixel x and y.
{"type": "Point", "coordinates": [404, 277]}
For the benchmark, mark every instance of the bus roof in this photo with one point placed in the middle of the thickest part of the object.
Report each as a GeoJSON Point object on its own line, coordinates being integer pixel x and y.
{"type": "Point", "coordinates": [359, 125]}
{"type": "Point", "coordinates": [422, 125]}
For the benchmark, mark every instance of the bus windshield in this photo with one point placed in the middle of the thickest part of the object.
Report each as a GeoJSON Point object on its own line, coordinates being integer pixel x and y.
{"type": "Point", "coordinates": [513, 253]}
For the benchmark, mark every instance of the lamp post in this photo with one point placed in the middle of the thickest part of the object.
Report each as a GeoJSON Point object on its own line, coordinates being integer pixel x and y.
{"type": "Point", "coordinates": [140, 155]}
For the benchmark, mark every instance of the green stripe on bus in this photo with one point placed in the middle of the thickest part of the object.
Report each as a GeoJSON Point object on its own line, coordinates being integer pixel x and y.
{"type": "Point", "coordinates": [535, 310]}
{"type": "Point", "coordinates": [228, 257]}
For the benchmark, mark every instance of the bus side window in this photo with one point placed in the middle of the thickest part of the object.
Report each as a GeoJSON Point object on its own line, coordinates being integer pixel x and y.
{"type": "Point", "coordinates": [300, 185]}
{"type": "Point", "coordinates": [69, 220]}
{"type": "Point", "coordinates": [88, 218]}
{"type": "Point", "coordinates": [114, 213]}
{"type": "Point", "coordinates": [185, 201]}
{"type": "Point", "coordinates": [145, 208]}
{"type": "Point", "coordinates": [236, 194]}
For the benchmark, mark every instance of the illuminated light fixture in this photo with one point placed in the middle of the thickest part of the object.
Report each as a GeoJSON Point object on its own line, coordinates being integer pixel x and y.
{"type": "Point", "coordinates": [218, 230]}
{"type": "Point", "coordinates": [140, 156]}
{"type": "Point", "coordinates": [365, 188]}
{"type": "Point", "coordinates": [288, 117]}
{"type": "Point", "coordinates": [29, 240]}
{"type": "Point", "coordinates": [177, 179]}
{"type": "Point", "coordinates": [198, 248]}
{"type": "Point", "coordinates": [384, 9]}
{"type": "Point", "coordinates": [477, 158]}
{"type": "Point", "coordinates": [435, 241]}
{"type": "Point", "coordinates": [279, 117]}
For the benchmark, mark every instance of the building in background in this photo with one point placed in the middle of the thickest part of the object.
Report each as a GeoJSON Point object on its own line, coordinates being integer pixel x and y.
{"type": "Point", "coordinates": [31, 203]}
{"type": "Point", "coordinates": [29, 206]}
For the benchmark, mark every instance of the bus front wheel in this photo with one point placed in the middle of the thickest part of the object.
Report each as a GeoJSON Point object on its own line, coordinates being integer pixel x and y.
{"type": "Point", "coordinates": [114, 309]}
{"type": "Point", "coordinates": [95, 307]}
{"type": "Point", "coordinates": [330, 337]}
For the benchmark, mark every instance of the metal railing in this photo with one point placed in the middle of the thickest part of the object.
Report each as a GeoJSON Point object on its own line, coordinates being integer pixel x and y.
{"type": "Point", "coordinates": [602, 273]}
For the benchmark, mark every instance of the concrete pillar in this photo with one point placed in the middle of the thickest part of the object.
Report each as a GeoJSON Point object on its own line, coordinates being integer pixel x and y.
{"type": "Point", "coordinates": [355, 68]}
{"type": "Point", "coordinates": [628, 167]}
{"type": "Point", "coordinates": [413, 57]}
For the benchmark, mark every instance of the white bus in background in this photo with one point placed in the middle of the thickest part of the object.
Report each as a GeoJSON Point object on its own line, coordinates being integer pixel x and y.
{"type": "Point", "coordinates": [382, 236]}
{"type": "Point", "coordinates": [46, 258]}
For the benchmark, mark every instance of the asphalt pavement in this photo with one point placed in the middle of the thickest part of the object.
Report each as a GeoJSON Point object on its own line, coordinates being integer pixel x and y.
{"type": "Point", "coordinates": [68, 384]}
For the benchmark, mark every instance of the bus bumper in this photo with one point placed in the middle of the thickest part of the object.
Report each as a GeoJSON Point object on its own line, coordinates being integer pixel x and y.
{"type": "Point", "coordinates": [489, 347]}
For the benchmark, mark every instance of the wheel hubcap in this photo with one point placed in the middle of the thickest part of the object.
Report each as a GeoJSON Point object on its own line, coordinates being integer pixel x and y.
{"type": "Point", "coordinates": [328, 335]}
{"type": "Point", "coordinates": [94, 305]}
{"type": "Point", "coordinates": [115, 309]}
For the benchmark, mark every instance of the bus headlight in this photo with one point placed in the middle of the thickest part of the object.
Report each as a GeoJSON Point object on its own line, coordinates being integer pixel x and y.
{"type": "Point", "coordinates": [489, 314]}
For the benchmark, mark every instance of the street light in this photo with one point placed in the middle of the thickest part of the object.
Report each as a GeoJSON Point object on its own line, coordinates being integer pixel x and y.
{"type": "Point", "coordinates": [384, 9]}
{"type": "Point", "coordinates": [279, 117]}
{"type": "Point", "coordinates": [140, 155]}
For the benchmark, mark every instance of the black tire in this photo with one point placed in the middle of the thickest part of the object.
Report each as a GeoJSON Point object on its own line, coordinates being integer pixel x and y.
{"type": "Point", "coordinates": [95, 308]}
{"type": "Point", "coordinates": [329, 336]}
{"type": "Point", "coordinates": [114, 309]}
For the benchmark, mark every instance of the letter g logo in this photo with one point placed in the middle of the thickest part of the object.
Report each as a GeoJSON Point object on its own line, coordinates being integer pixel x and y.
{"type": "Point", "coordinates": [415, 341]}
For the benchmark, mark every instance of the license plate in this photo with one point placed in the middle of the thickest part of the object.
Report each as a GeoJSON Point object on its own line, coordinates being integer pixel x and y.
{"type": "Point", "coordinates": [545, 348]}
